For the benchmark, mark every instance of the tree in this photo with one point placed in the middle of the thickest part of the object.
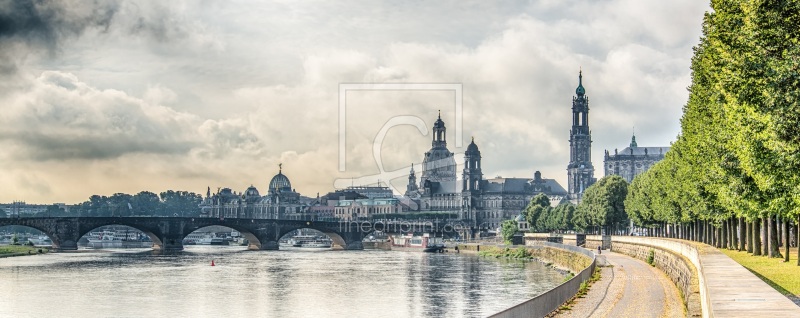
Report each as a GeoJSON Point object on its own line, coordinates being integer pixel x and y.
{"type": "Point", "coordinates": [538, 205]}
{"type": "Point", "coordinates": [603, 204]}
{"type": "Point", "coordinates": [119, 204]}
{"type": "Point", "coordinates": [146, 203]}
{"type": "Point", "coordinates": [181, 203]}
{"type": "Point", "coordinates": [54, 210]}
{"type": "Point", "coordinates": [507, 229]}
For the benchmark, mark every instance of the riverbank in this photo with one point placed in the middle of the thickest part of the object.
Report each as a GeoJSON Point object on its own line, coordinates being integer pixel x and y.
{"type": "Point", "coordinates": [21, 250]}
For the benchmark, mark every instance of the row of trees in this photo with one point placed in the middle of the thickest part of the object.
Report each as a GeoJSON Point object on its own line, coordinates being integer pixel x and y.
{"type": "Point", "coordinates": [145, 203]}
{"type": "Point", "coordinates": [601, 208]}
{"type": "Point", "coordinates": [732, 177]}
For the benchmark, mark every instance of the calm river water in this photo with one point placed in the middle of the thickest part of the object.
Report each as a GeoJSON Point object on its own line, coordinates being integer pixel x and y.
{"type": "Point", "coordinates": [125, 283]}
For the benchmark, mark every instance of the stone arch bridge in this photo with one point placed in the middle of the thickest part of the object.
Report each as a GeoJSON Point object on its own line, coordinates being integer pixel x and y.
{"type": "Point", "coordinates": [167, 233]}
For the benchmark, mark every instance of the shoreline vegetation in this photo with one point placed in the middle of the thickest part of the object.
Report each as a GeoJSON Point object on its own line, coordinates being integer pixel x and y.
{"type": "Point", "coordinates": [521, 254]}
{"type": "Point", "coordinates": [21, 250]}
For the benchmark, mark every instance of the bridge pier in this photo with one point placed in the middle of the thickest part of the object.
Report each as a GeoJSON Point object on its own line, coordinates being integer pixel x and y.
{"type": "Point", "coordinates": [69, 245]}
{"type": "Point", "coordinates": [169, 241]}
{"type": "Point", "coordinates": [354, 245]}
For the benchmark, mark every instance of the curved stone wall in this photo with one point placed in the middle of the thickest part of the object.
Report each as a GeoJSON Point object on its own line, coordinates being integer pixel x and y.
{"type": "Point", "coordinates": [561, 256]}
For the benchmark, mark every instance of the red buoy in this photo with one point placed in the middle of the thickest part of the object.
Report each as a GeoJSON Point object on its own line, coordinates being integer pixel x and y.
{"type": "Point", "coordinates": [212, 262]}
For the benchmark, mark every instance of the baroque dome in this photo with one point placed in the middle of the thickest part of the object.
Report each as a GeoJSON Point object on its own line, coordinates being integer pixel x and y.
{"type": "Point", "coordinates": [439, 122]}
{"type": "Point", "coordinates": [473, 148]}
{"type": "Point", "coordinates": [280, 182]}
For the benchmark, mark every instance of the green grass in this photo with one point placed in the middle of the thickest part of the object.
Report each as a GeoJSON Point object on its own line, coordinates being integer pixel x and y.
{"type": "Point", "coordinates": [14, 249]}
{"type": "Point", "coordinates": [784, 277]}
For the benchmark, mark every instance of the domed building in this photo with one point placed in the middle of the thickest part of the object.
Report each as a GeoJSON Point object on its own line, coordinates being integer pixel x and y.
{"type": "Point", "coordinates": [484, 202]}
{"type": "Point", "coordinates": [251, 195]}
{"type": "Point", "coordinates": [280, 189]}
{"type": "Point", "coordinates": [281, 201]}
{"type": "Point", "coordinates": [439, 165]}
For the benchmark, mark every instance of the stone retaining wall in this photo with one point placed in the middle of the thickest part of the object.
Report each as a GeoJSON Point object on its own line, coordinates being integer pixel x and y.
{"type": "Point", "coordinates": [576, 259]}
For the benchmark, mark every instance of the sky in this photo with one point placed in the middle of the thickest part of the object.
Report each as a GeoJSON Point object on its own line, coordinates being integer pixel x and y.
{"type": "Point", "coordinates": [101, 97]}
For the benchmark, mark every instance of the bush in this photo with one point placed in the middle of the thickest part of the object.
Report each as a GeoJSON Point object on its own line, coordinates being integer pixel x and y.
{"type": "Point", "coordinates": [651, 258]}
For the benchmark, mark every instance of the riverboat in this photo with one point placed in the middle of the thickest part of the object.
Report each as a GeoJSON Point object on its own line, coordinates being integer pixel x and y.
{"type": "Point", "coordinates": [309, 241]}
{"type": "Point", "coordinates": [417, 243]}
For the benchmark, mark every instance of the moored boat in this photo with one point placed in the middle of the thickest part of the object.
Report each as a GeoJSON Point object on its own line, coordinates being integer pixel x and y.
{"type": "Point", "coordinates": [418, 243]}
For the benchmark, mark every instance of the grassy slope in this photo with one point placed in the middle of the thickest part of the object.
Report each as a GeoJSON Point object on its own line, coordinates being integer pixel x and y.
{"type": "Point", "coordinates": [12, 249]}
{"type": "Point", "coordinates": [784, 277]}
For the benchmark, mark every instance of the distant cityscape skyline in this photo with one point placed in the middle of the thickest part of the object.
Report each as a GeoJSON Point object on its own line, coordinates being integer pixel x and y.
{"type": "Point", "coordinates": [151, 97]}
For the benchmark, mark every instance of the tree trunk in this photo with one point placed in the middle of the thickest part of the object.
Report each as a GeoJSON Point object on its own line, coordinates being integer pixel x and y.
{"type": "Point", "coordinates": [764, 236]}
{"type": "Point", "coordinates": [732, 241]}
{"type": "Point", "coordinates": [742, 234]}
{"type": "Point", "coordinates": [757, 237]}
{"type": "Point", "coordinates": [786, 240]}
{"type": "Point", "coordinates": [749, 230]}
{"type": "Point", "coordinates": [696, 225]}
{"type": "Point", "coordinates": [723, 231]}
{"type": "Point", "coordinates": [774, 250]}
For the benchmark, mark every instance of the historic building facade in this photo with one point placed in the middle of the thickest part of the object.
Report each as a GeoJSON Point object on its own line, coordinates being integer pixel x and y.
{"type": "Point", "coordinates": [281, 201]}
{"type": "Point", "coordinates": [633, 160]}
{"type": "Point", "coordinates": [486, 202]}
{"type": "Point", "coordinates": [580, 171]}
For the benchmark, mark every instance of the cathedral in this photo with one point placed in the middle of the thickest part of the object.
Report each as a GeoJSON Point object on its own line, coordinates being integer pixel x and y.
{"type": "Point", "coordinates": [486, 202]}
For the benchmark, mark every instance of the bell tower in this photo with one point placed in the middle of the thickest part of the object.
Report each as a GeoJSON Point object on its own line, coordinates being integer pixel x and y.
{"type": "Point", "coordinates": [580, 172]}
{"type": "Point", "coordinates": [472, 174]}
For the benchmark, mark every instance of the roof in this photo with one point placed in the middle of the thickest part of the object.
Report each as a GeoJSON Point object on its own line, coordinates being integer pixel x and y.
{"type": "Point", "coordinates": [523, 185]}
{"type": "Point", "coordinates": [280, 182]}
{"type": "Point", "coordinates": [473, 148]}
{"type": "Point", "coordinates": [640, 151]}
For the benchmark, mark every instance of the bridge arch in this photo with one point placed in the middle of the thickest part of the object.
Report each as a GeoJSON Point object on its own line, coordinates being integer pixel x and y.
{"type": "Point", "coordinates": [149, 232]}
{"type": "Point", "coordinates": [33, 227]}
{"type": "Point", "coordinates": [340, 240]}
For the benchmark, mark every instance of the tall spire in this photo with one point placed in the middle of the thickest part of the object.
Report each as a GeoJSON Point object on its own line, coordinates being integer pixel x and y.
{"type": "Point", "coordinates": [580, 91]}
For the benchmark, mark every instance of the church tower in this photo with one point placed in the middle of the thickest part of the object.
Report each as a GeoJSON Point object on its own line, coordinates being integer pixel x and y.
{"type": "Point", "coordinates": [580, 172]}
{"type": "Point", "coordinates": [439, 165]}
{"type": "Point", "coordinates": [472, 175]}
{"type": "Point", "coordinates": [411, 188]}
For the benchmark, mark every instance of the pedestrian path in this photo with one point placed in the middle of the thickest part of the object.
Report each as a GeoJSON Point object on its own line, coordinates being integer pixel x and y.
{"type": "Point", "coordinates": [731, 290]}
{"type": "Point", "coordinates": [630, 288]}
{"type": "Point", "coordinates": [736, 292]}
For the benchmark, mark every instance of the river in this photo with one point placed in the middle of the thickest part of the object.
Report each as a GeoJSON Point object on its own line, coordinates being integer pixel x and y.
{"type": "Point", "coordinates": [370, 283]}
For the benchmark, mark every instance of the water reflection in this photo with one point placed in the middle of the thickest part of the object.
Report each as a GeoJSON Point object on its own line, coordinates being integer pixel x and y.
{"type": "Point", "coordinates": [265, 283]}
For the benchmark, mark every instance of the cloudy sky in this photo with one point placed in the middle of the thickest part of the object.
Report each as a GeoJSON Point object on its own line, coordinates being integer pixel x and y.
{"type": "Point", "coordinates": [102, 97]}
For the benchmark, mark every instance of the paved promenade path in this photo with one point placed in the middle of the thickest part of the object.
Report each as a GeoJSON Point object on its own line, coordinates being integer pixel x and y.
{"type": "Point", "coordinates": [631, 288]}
{"type": "Point", "coordinates": [735, 292]}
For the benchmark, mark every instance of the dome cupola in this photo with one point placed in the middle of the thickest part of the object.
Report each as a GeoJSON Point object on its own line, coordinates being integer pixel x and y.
{"type": "Point", "coordinates": [472, 149]}
{"type": "Point", "coordinates": [580, 90]}
{"type": "Point", "coordinates": [280, 182]}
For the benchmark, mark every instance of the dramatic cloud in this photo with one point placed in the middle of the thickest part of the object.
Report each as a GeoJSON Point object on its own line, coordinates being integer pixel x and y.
{"type": "Point", "coordinates": [61, 118]}
{"type": "Point", "coordinates": [128, 96]}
